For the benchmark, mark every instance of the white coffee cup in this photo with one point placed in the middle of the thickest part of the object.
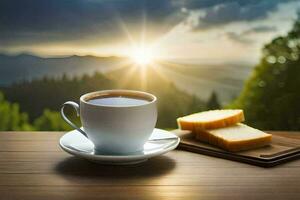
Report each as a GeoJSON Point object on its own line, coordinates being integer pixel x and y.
{"type": "Point", "coordinates": [115, 129]}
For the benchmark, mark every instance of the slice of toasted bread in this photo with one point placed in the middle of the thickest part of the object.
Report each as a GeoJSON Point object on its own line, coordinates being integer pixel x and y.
{"type": "Point", "coordinates": [235, 138]}
{"type": "Point", "coordinates": [210, 119]}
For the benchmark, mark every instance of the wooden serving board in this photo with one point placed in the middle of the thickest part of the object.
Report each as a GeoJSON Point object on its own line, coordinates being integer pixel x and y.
{"type": "Point", "coordinates": [285, 146]}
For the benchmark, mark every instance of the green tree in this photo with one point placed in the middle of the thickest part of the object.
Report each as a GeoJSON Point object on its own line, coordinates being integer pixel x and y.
{"type": "Point", "coordinates": [50, 121]}
{"type": "Point", "coordinates": [271, 97]}
{"type": "Point", "coordinates": [213, 102]}
{"type": "Point", "coordinates": [11, 118]}
{"type": "Point", "coordinates": [50, 93]}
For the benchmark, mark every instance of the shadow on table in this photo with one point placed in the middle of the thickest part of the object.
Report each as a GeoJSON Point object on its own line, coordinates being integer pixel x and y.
{"type": "Point", "coordinates": [74, 166]}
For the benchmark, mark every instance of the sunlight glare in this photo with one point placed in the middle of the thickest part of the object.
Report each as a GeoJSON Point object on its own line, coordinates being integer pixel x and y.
{"type": "Point", "coordinates": [142, 56]}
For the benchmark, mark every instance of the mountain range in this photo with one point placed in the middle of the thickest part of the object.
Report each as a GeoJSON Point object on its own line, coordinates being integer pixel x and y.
{"type": "Point", "coordinates": [14, 68]}
{"type": "Point", "coordinates": [226, 79]}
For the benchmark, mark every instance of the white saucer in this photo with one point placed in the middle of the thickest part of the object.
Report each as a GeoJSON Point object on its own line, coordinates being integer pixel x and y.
{"type": "Point", "coordinates": [160, 142]}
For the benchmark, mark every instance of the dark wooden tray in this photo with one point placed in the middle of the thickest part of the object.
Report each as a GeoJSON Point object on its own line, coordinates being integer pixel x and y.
{"type": "Point", "coordinates": [285, 146]}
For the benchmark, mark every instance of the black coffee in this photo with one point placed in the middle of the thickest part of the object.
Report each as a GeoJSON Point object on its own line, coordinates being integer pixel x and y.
{"type": "Point", "coordinates": [118, 101]}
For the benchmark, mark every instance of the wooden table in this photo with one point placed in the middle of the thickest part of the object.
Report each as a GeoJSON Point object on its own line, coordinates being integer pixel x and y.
{"type": "Point", "coordinates": [32, 166]}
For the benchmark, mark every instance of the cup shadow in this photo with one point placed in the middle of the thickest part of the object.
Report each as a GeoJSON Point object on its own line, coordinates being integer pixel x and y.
{"type": "Point", "coordinates": [77, 167]}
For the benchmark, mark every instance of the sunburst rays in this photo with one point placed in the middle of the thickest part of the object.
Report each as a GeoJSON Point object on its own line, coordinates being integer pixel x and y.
{"type": "Point", "coordinates": [142, 57]}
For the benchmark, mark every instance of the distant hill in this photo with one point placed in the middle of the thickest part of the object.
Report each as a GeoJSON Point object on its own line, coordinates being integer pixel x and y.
{"type": "Point", "coordinates": [15, 68]}
{"type": "Point", "coordinates": [201, 79]}
{"type": "Point", "coordinates": [47, 93]}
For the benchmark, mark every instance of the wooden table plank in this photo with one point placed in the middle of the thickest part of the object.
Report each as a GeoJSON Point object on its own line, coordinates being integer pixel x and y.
{"type": "Point", "coordinates": [202, 166]}
{"type": "Point", "coordinates": [54, 135]}
{"type": "Point", "coordinates": [30, 136]}
{"type": "Point", "coordinates": [185, 158]}
{"type": "Point", "coordinates": [149, 192]}
{"type": "Point", "coordinates": [32, 166]}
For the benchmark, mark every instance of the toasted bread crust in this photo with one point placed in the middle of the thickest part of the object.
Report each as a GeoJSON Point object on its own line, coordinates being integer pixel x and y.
{"type": "Point", "coordinates": [233, 146]}
{"type": "Point", "coordinates": [203, 128]}
{"type": "Point", "coordinates": [247, 144]}
{"type": "Point", "coordinates": [213, 124]}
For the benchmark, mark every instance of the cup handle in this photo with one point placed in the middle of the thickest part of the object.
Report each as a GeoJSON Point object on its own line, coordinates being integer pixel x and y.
{"type": "Point", "coordinates": [76, 107]}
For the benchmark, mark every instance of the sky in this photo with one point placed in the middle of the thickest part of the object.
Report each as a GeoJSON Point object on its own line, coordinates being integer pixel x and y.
{"type": "Point", "coordinates": [204, 30]}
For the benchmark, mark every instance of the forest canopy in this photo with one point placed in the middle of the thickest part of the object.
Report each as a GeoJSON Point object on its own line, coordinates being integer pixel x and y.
{"type": "Point", "coordinates": [271, 96]}
{"type": "Point", "coordinates": [40, 100]}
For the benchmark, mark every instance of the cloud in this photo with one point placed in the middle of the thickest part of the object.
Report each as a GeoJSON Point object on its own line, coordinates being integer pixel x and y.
{"type": "Point", "coordinates": [233, 11]}
{"type": "Point", "coordinates": [260, 29]}
{"type": "Point", "coordinates": [244, 37]}
{"type": "Point", "coordinates": [238, 38]}
{"type": "Point", "coordinates": [36, 21]}
{"type": "Point", "coordinates": [82, 22]}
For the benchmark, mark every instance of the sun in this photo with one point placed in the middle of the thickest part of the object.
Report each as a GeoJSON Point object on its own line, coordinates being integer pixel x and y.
{"type": "Point", "coordinates": [142, 56]}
